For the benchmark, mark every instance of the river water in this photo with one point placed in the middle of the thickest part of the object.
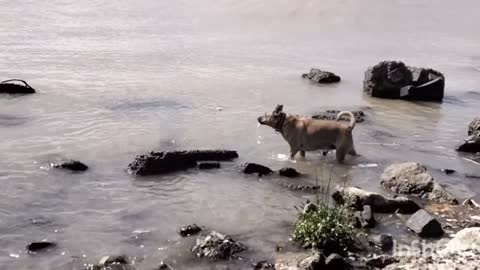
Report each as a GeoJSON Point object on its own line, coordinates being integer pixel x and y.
{"type": "Point", "coordinates": [120, 78]}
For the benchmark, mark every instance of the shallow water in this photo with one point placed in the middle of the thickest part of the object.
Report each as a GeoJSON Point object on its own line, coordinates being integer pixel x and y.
{"type": "Point", "coordinates": [123, 78]}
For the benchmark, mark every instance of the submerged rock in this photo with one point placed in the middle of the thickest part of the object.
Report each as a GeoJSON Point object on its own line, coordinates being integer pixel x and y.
{"type": "Point", "coordinates": [190, 230]}
{"type": "Point", "coordinates": [72, 165]}
{"type": "Point", "coordinates": [424, 225]}
{"type": "Point", "coordinates": [358, 198]}
{"type": "Point", "coordinates": [167, 162]}
{"type": "Point", "coordinates": [332, 115]}
{"type": "Point", "coordinates": [216, 246]}
{"type": "Point", "coordinates": [208, 165]}
{"type": "Point", "coordinates": [35, 247]}
{"type": "Point", "coordinates": [394, 80]}
{"type": "Point", "coordinates": [120, 262]}
{"type": "Point", "coordinates": [412, 179]}
{"type": "Point", "coordinates": [382, 241]}
{"type": "Point", "coordinates": [250, 168]}
{"type": "Point", "coordinates": [319, 76]}
{"type": "Point", "coordinates": [8, 87]}
{"type": "Point", "coordinates": [289, 172]}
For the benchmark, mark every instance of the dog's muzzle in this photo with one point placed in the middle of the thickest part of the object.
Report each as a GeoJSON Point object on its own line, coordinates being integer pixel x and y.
{"type": "Point", "coordinates": [261, 120]}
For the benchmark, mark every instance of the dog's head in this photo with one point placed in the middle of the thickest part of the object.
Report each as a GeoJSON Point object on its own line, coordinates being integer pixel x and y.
{"type": "Point", "coordinates": [274, 120]}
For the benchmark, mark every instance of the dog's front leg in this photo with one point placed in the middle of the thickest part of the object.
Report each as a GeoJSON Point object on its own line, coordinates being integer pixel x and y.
{"type": "Point", "coordinates": [293, 152]}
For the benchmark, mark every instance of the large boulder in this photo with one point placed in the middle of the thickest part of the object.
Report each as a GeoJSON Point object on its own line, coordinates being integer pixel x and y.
{"type": "Point", "coordinates": [319, 76]}
{"type": "Point", "coordinates": [8, 87]}
{"type": "Point", "coordinates": [332, 115]}
{"type": "Point", "coordinates": [424, 225]}
{"type": "Point", "coordinates": [72, 165]}
{"type": "Point", "coordinates": [358, 198]}
{"type": "Point", "coordinates": [166, 162]}
{"type": "Point", "coordinates": [411, 178]}
{"type": "Point", "coordinates": [471, 144]}
{"type": "Point", "coordinates": [216, 246]}
{"type": "Point", "coordinates": [395, 80]}
{"type": "Point", "coordinates": [466, 239]}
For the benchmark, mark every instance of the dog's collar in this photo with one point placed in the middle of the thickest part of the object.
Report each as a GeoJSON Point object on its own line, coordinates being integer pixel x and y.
{"type": "Point", "coordinates": [279, 126]}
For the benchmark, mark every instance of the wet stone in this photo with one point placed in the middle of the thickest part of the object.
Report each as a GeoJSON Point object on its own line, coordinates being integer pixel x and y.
{"type": "Point", "coordinates": [72, 165]}
{"type": "Point", "coordinates": [35, 247]}
{"type": "Point", "coordinates": [190, 230]}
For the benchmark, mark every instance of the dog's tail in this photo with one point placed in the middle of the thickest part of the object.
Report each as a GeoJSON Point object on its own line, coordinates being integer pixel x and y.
{"type": "Point", "coordinates": [353, 121]}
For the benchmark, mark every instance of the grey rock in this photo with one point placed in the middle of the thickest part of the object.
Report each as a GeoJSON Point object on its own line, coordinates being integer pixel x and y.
{"type": "Point", "coordinates": [319, 76]}
{"type": "Point", "coordinates": [289, 172]}
{"type": "Point", "coordinates": [357, 198]}
{"type": "Point", "coordinates": [120, 262]}
{"type": "Point", "coordinates": [336, 262]}
{"type": "Point", "coordinates": [424, 225]}
{"type": "Point", "coordinates": [189, 230]}
{"type": "Point", "coordinates": [471, 144]}
{"type": "Point", "coordinates": [413, 179]}
{"type": "Point", "coordinates": [382, 241]}
{"type": "Point", "coordinates": [264, 265]}
{"type": "Point", "coordinates": [316, 261]}
{"type": "Point", "coordinates": [394, 80]}
{"type": "Point", "coordinates": [216, 246]}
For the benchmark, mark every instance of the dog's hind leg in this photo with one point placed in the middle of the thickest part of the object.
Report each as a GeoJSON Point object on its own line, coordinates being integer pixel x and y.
{"type": "Point", "coordinates": [341, 153]}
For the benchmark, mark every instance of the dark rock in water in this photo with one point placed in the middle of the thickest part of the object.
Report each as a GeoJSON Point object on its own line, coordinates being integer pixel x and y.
{"type": "Point", "coordinates": [310, 207]}
{"type": "Point", "coordinates": [394, 80]}
{"type": "Point", "coordinates": [7, 87]}
{"type": "Point", "coordinates": [332, 115]}
{"type": "Point", "coordinates": [310, 188]}
{"type": "Point", "coordinates": [336, 262]}
{"type": "Point", "coordinates": [264, 265]}
{"type": "Point", "coordinates": [412, 178]}
{"type": "Point", "coordinates": [471, 144]}
{"type": "Point", "coordinates": [448, 171]}
{"type": "Point", "coordinates": [358, 198]}
{"type": "Point", "coordinates": [72, 165]}
{"type": "Point", "coordinates": [208, 165]}
{"type": "Point", "coordinates": [319, 76]}
{"type": "Point", "coordinates": [423, 224]}
{"type": "Point", "coordinates": [381, 261]}
{"type": "Point", "coordinates": [40, 246]}
{"type": "Point", "coordinates": [315, 261]}
{"type": "Point", "coordinates": [383, 241]}
{"type": "Point", "coordinates": [163, 266]}
{"type": "Point", "coordinates": [167, 162]}
{"type": "Point", "coordinates": [289, 172]}
{"type": "Point", "coordinates": [250, 168]}
{"type": "Point", "coordinates": [216, 246]}
{"type": "Point", "coordinates": [189, 230]}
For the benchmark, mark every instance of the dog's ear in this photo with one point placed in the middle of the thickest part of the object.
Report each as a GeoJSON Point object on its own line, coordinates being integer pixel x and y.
{"type": "Point", "coordinates": [278, 109]}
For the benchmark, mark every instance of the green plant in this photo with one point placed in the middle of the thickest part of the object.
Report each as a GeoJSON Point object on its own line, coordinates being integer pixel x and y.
{"type": "Point", "coordinates": [323, 226]}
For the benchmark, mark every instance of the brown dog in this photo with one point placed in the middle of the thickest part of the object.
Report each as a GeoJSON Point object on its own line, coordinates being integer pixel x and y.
{"type": "Point", "coordinates": [305, 134]}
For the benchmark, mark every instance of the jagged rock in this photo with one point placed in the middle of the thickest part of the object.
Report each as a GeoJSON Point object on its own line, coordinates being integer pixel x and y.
{"type": "Point", "coordinates": [216, 246]}
{"type": "Point", "coordinates": [40, 246]}
{"type": "Point", "coordinates": [394, 80]}
{"type": "Point", "coordinates": [72, 165]}
{"type": "Point", "coordinates": [474, 126]}
{"type": "Point", "coordinates": [336, 262]}
{"type": "Point", "coordinates": [250, 168]}
{"type": "Point", "coordinates": [319, 76]}
{"type": "Point", "coordinates": [358, 198]}
{"type": "Point", "coordinates": [289, 172]}
{"type": "Point", "coordinates": [424, 225]}
{"type": "Point", "coordinates": [189, 230]}
{"type": "Point", "coordinates": [471, 144]}
{"type": "Point", "coordinates": [382, 241]}
{"type": "Point", "coordinates": [309, 188]}
{"type": "Point", "coordinates": [332, 115]}
{"type": "Point", "coordinates": [208, 165]}
{"type": "Point", "coordinates": [316, 261]}
{"type": "Point", "coordinates": [381, 261]}
{"type": "Point", "coordinates": [412, 178]}
{"type": "Point", "coordinates": [8, 87]}
{"type": "Point", "coordinates": [471, 203]}
{"type": "Point", "coordinates": [167, 162]}
{"type": "Point", "coordinates": [264, 265]}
